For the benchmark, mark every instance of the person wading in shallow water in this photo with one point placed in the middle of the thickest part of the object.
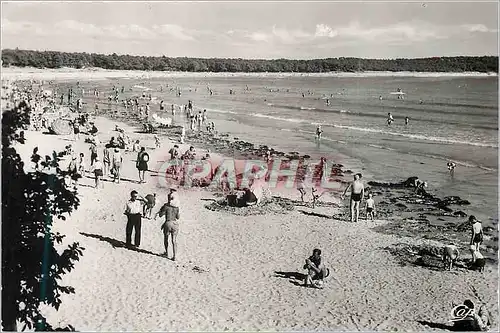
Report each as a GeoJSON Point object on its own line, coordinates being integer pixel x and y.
{"type": "Point", "coordinates": [357, 194]}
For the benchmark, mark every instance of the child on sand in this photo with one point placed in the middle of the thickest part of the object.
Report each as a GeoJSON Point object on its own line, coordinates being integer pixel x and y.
{"type": "Point", "coordinates": [370, 207]}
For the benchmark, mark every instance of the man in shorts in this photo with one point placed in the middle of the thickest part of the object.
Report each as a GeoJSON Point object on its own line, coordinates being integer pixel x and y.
{"type": "Point", "coordinates": [357, 195]}
{"type": "Point", "coordinates": [171, 226]}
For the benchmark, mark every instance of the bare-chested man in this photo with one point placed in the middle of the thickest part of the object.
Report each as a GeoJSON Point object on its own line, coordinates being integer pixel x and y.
{"type": "Point", "coordinates": [357, 194]}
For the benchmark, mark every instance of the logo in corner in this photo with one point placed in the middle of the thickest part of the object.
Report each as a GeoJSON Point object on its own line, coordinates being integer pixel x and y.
{"type": "Point", "coordinates": [461, 312]}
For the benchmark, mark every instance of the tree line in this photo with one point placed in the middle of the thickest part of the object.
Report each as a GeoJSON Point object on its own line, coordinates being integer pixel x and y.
{"type": "Point", "coordinates": [54, 59]}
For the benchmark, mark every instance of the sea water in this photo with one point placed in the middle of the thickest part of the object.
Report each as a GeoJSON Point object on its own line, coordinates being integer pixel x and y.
{"type": "Point", "coordinates": [450, 119]}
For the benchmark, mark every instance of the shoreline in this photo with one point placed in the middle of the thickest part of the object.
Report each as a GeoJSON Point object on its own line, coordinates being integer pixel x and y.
{"type": "Point", "coordinates": [399, 207]}
{"type": "Point", "coordinates": [24, 73]}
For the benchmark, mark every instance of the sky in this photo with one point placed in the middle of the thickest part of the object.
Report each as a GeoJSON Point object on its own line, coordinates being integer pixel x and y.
{"type": "Point", "coordinates": [262, 30]}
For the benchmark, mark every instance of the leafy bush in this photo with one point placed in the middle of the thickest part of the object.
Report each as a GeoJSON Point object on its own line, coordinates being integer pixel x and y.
{"type": "Point", "coordinates": [31, 265]}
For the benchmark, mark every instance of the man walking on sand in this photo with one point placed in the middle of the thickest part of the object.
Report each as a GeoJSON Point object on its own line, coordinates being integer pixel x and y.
{"type": "Point", "coordinates": [133, 211]}
{"type": "Point", "coordinates": [171, 225]}
{"type": "Point", "coordinates": [357, 194]}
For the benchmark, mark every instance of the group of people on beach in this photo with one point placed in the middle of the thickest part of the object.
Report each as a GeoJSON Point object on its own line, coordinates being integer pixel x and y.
{"type": "Point", "coordinates": [138, 207]}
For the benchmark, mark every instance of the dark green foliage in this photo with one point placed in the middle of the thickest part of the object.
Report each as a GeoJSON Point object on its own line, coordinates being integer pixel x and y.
{"type": "Point", "coordinates": [31, 265]}
{"type": "Point", "coordinates": [50, 59]}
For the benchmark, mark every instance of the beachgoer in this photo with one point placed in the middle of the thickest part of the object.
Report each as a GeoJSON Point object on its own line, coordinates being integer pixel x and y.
{"type": "Point", "coordinates": [200, 121]}
{"type": "Point", "coordinates": [174, 157]}
{"type": "Point", "coordinates": [316, 270]}
{"type": "Point", "coordinates": [117, 161]}
{"type": "Point", "coordinates": [319, 131]}
{"type": "Point", "coordinates": [171, 225]}
{"type": "Point", "coordinates": [479, 263]}
{"type": "Point", "coordinates": [76, 131]}
{"type": "Point", "coordinates": [476, 236]}
{"type": "Point", "coordinates": [133, 212]}
{"type": "Point", "coordinates": [106, 161]}
{"type": "Point", "coordinates": [450, 256]}
{"type": "Point", "coordinates": [150, 204]}
{"type": "Point", "coordinates": [157, 141]}
{"type": "Point", "coordinates": [98, 173]}
{"type": "Point", "coordinates": [136, 146]}
{"type": "Point", "coordinates": [142, 164]}
{"type": "Point", "coordinates": [473, 321]}
{"type": "Point", "coordinates": [407, 120]}
{"type": "Point", "coordinates": [451, 168]}
{"type": "Point", "coordinates": [73, 169]}
{"type": "Point", "coordinates": [420, 186]}
{"type": "Point", "coordinates": [370, 207]}
{"type": "Point", "coordinates": [93, 153]}
{"type": "Point", "coordinates": [189, 154]}
{"type": "Point", "coordinates": [357, 195]}
{"type": "Point", "coordinates": [390, 118]}
{"type": "Point", "coordinates": [183, 134]}
{"type": "Point", "coordinates": [81, 165]}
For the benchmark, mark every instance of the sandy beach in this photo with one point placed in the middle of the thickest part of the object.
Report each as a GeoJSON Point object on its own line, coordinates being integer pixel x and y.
{"type": "Point", "coordinates": [226, 276]}
{"type": "Point", "coordinates": [217, 166]}
{"type": "Point", "coordinates": [17, 73]}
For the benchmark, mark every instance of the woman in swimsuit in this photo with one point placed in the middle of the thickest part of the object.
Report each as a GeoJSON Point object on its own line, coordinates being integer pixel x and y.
{"type": "Point", "coordinates": [476, 236]}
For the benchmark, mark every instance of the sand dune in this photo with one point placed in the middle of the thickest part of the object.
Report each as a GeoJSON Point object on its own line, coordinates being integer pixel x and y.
{"type": "Point", "coordinates": [225, 278]}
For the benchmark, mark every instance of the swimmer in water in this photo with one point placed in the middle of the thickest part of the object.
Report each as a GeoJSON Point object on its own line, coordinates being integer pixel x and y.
{"type": "Point", "coordinates": [407, 120]}
{"type": "Point", "coordinates": [451, 168]}
{"type": "Point", "coordinates": [390, 119]}
{"type": "Point", "coordinates": [319, 131]}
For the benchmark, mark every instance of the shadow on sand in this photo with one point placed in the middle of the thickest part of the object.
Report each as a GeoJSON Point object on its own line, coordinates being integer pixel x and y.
{"type": "Point", "coordinates": [290, 275]}
{"type": "Point", "coordinates": [315, 214]}
{"type": "Point", "coordinates": [436, 325]}
{"type": "Point", "coordinates": [120, 244]}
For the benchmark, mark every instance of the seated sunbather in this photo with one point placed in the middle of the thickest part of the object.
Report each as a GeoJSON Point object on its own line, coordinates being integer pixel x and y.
{"type": "Point", "coordinates": [316, 270]}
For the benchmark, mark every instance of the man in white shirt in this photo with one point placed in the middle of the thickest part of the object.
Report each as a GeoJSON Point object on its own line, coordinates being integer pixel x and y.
{"type": "Point", "coordinates": [133, 210]}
